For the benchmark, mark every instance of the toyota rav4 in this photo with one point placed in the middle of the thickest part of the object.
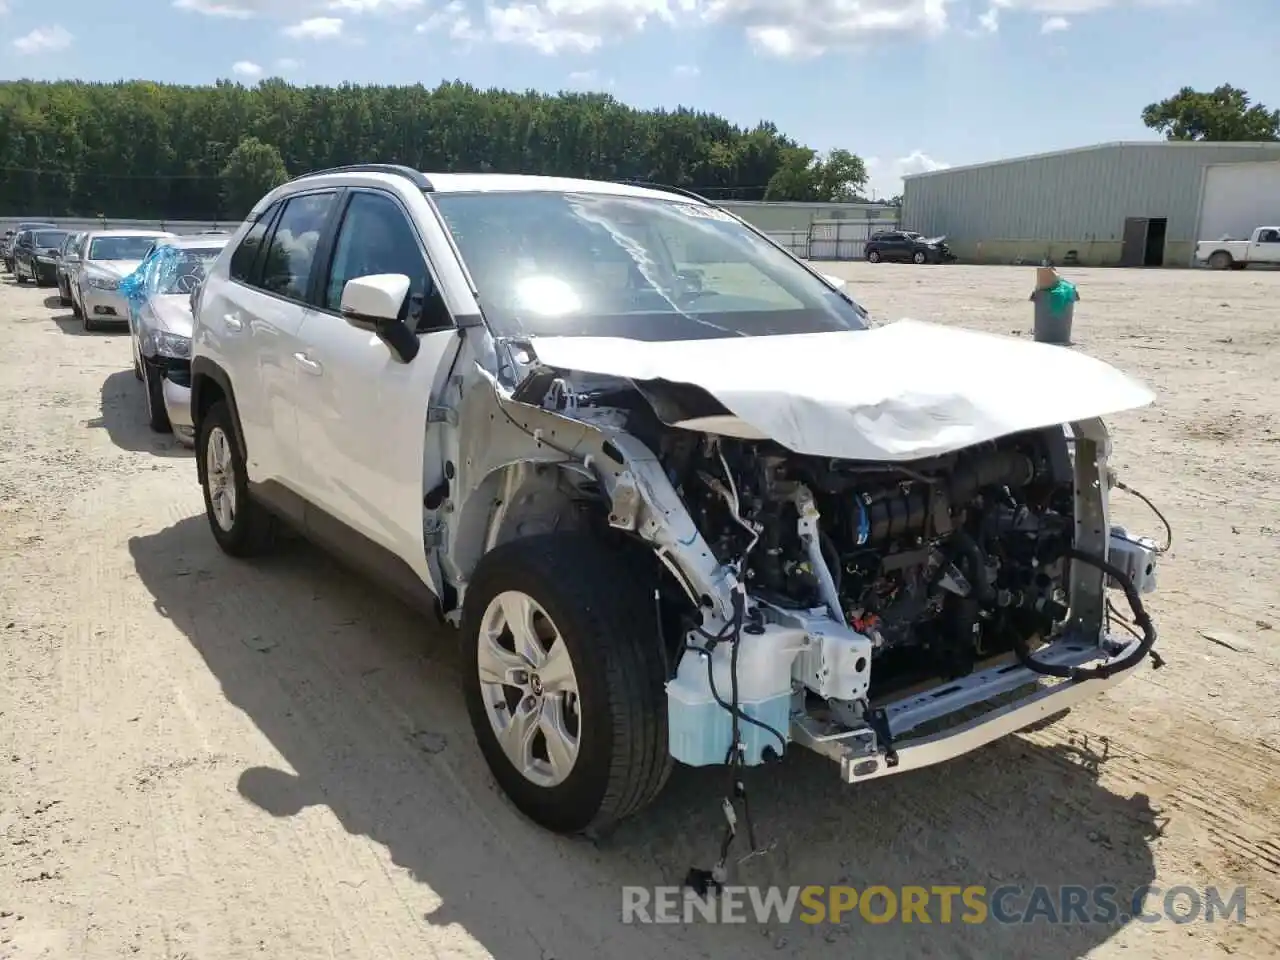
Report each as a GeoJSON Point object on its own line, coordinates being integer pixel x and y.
{"type": "Point", "coordinates": [683, 499]}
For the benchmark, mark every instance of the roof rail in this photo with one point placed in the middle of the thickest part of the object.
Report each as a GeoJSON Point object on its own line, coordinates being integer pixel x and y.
{"type": "Point", "coordinates": [680, 191]}
{"type": "Point", "coordinates": [416, 177]}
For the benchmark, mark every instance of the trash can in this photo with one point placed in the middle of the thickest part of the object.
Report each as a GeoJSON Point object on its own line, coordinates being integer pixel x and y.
{"type": "Point", "coordinates": [1055, 309]}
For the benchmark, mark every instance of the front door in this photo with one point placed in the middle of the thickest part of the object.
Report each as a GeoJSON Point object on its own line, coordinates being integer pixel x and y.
{"type": "Point", "coordinates": [362, 414]}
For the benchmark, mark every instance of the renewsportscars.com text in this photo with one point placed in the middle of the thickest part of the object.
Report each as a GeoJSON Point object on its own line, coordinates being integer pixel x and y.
{"type": "Point", "coordinates": [935, 904]}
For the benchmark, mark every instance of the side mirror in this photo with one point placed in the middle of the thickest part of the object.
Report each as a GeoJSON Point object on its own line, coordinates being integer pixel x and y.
{"type": "Point", "coordinates": [379, 304]}
{"type": "Point", "coordinates": [835, 282]}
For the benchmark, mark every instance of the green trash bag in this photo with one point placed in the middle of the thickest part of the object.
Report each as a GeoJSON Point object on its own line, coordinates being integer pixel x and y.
{"type": "Point", "coordinates": [1062, 295]}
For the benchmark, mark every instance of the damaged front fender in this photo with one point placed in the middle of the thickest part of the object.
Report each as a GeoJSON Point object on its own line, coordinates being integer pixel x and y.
{"type": "Point", "coordinates": [523, 469]}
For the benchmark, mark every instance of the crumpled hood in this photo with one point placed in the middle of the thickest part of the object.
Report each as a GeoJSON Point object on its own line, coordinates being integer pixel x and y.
{"type": "Point", "coordinates": [172, 314]}
{"type": "Point", "coordinates": [115, 269]}
{"type": "Point", "coordinates": [898, 392]}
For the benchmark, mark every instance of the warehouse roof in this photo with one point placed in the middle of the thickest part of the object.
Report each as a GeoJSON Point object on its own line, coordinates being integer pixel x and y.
{"type": "Point", "coordinates": [1264, 147]}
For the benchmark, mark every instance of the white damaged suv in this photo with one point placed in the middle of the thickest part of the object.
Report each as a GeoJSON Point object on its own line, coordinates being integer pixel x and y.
{"type": "Point", "coordinates": [684, 501]}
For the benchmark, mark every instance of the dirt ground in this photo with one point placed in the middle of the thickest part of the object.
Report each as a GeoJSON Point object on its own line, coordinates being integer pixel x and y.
{"type": "Point", "coordinates": [206, 759]}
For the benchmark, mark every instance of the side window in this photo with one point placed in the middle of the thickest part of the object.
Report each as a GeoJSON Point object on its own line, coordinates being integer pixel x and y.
{"type": "Point", "coordinates": [375, 237]}
{"type": "Point", "coordinates": [246, 255]}
{"type": "Point", "coordinates": [291, 254]}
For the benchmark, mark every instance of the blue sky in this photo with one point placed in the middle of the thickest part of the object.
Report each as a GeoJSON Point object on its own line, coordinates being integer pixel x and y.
{"type": "Point", "coordinates": [907, 84]}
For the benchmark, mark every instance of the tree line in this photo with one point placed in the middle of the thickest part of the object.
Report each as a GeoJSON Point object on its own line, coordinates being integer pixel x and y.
{"type": "Point", "coordinates": [151, 150]}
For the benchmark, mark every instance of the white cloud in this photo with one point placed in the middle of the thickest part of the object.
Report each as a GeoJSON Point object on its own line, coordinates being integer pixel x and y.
{"type": "Point", "coordinates": [686, 71]}
{"type": "Point", "coordinates": [588, 80]}
{"type": "Point", "coordinates": [806, 28]}
{"type": "Point", "coordinates": [374, 6]}
{"type": "Point", "coordinates": [777, 28]}
{"type": "Point", "coordinates": [886, 178]}
{"type": "Point", "coordinates": [315, 28]}
{"type": "Point", "coordinates": [235, 9]}
{"type": "Point", "coordinates": [451, 20]}
{"type": "Point", "coordinates": [44, 40]}
{"type": "Point", "coordinates": [1055, 25]}
{"type": "Point", "coordinates": [246, 68]}
{"type": "Point", "coordinates": [286, 65]}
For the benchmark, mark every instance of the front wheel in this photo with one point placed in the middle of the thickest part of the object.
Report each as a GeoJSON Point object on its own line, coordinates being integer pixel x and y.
{"type": "Point", "coordinates": [153, 390]}
{"type": "Point", "coordinates": [563, 676]}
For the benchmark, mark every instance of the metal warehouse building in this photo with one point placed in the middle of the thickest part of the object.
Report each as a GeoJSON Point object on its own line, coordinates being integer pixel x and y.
{"type": "Point", "coordinates": [1116, 204]}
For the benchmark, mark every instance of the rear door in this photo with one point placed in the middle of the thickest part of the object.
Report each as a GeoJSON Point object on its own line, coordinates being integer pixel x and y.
{"type": "Point", "coordinates": [256, 320]}
{"type": "Point", "coordinates": [362, 414]}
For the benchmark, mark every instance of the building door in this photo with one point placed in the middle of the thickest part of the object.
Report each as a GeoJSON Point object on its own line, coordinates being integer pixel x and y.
{"type": "Point", "coordinates": [1153, 251]}
{"type": "Point", "coordinates": [1133, 253]}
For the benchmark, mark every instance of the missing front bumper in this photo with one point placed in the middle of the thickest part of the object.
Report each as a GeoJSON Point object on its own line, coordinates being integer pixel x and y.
{"type": "Point", "coordinates": [863, 755]}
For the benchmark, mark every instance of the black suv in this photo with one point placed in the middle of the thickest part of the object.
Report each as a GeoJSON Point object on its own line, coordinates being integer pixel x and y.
{"type": "Point", "coordinates": [906, 247]}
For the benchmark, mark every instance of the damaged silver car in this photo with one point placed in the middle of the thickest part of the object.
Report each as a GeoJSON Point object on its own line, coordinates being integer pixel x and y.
{"type": "Point", "coordinates": [683, 499]}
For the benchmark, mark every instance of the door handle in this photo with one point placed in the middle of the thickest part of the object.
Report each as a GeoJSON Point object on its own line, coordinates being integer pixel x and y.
{"type": "Point", "coordinates": [233, 322]}
{"type": "Point", "coordinates": [308, 365]}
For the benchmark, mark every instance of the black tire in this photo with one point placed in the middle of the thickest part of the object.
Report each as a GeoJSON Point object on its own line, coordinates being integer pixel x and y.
{"type": "Point", "coordinates": [63, 298]}
{"type": "Point", "coordinates": [137, 369]}
{"type": "Point", "coordinates": [919, 257]}
{"type": "Point", "coordinates": [17, 275]}
{"type": "Point", "coordinates": [252, 530]}
{"type": "Point", "coordinates": [873, 256]}
{"type": "Point", "coordinates": [157, 416]}
{"type": "Point", "coordinates": [1221, 260]}
{"type": "Point", "coordinates": [76, 310]}
{"type": "Point", "coordinates": [606, 619]}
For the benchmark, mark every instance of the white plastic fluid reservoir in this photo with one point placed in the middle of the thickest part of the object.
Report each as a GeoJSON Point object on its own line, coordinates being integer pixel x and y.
{"type": "Point", "coordinates": [701, 730]}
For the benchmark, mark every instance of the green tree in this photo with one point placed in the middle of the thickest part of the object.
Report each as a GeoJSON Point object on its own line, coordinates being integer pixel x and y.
{"type": "Point", "coordinates": [841, 177]}
{"type": "Point", "coordinates": [150, 150]}
{"type": "Point", "coordinates": [803, 175]}
{"type": "Point", "coordinates": [1224, 114]}
{"type": "Point", "coordinates": [252, 169]}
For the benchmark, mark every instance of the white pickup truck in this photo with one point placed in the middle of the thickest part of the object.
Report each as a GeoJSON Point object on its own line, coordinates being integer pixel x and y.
{"type": "Point", "coordinates": [1225, 254]}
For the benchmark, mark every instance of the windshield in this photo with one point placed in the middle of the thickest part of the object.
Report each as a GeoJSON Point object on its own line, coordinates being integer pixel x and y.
{"type": "Point", "coordinates": [120, 248]}
{"type": "Point", "coordinates": [180, 271]}
{"type": "Point", "coordinates": [565, 264]}
{"type": "Point", "coordinates": [47, 239]}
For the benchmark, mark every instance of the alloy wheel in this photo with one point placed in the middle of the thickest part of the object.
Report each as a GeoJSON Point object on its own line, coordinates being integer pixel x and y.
{"type": "Point", "coordinates": [529, 688]}
{"type": "Point", "coordinates": [220, 476]}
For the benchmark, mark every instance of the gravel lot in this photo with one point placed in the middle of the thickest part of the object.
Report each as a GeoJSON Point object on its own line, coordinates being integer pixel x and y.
{"type": "Point", "coordinates": [207, 759]}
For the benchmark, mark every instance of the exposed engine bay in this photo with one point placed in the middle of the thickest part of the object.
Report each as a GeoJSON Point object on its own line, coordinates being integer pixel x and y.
{"type": "Point", "coordinates": [853, 582]}
{"type": "Point", "coordinates": [940, 563]}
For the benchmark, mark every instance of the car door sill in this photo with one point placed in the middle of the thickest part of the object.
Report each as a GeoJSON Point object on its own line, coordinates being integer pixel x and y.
{"type": "Point", "coordinates": [350, 547]}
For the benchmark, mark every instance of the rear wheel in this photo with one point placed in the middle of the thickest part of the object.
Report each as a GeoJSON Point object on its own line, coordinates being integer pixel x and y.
{"type": "Point", "coordinates": [1220, 260]}
{"type": "Point", "coordinates": [563, 676]}
{"type": "Point", "coordinates": [873, 256]}
{"type": "Point", "coordinates": [241, 526]}
{"type": "Point", "coordinates": [919, 257]}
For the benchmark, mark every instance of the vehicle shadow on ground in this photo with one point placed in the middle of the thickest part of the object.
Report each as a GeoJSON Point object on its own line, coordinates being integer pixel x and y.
{"type": "Point", "coordinates": [361, 698]}
{"type": "Point", "coordinates": [73, 326]}
{"type": "Point", "coordinates": [124, 417]}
